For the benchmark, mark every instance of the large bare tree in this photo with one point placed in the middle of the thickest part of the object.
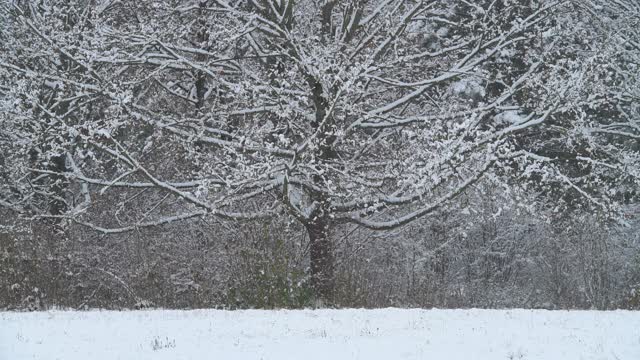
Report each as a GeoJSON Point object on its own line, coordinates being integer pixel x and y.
{"type": "Point", "coordinates": [371, 112]}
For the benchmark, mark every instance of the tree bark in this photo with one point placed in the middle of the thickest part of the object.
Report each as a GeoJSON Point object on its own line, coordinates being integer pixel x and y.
{"type": "Point", "coordinates": [322, 261]}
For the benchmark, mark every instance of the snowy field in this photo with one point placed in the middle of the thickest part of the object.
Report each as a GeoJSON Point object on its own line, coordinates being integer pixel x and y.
{"type": "Point", "coordinates": [326, 334]}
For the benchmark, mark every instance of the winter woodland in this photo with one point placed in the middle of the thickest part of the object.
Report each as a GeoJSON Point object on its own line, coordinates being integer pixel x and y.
{"type": "Point", "coordinates": [294, 153]}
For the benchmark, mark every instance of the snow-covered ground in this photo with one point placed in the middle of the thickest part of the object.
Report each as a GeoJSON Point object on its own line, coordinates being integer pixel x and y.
{"type": "Point", "coordinates": [324, 334]}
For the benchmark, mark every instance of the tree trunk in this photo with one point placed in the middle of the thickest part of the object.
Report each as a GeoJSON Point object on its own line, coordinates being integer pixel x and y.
{"type": "Point", "coordinates": [322, 262]}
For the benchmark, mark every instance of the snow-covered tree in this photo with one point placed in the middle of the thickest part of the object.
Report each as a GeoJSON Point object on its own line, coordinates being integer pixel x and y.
{"type": "Point", "coordinates": [371, 112]}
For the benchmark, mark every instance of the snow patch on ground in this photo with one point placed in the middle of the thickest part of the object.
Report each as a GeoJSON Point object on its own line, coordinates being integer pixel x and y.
{"type": "Point", "coordinates": [321, 334]}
